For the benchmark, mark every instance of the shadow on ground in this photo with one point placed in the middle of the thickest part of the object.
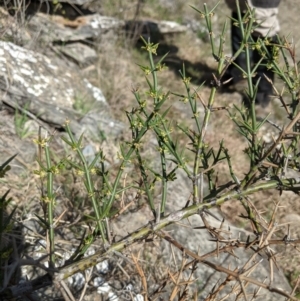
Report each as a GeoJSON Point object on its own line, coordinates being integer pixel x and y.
{"type": "Point", "coordinates": [199, 72]}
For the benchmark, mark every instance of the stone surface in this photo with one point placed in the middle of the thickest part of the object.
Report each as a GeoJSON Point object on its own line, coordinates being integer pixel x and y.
{"type": "Point", "coordinates": [27, 74]}
{"type": "Point", "coordinates": [80, 53]}
{"type": "Point", "coordinates": [11, 144]}
{"type": "Point", "coordinates": [75, 2]}
{"type": "Point", "coordinates": [31, 81]}
{"type": "Point", "coordinates": [58, 29]}
{"type": "Point", "coordinates": [199, 241]}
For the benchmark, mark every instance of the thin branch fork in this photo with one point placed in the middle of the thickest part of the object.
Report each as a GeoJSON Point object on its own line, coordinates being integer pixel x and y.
{"type": "Point", "coordinates": [232, 274]}
{"type": "Point", "coordinates": [142, 233]}
{"type": "Point", "coordinates": [285, 131]}
{"type": "Point", "coordinates": [172, 218]}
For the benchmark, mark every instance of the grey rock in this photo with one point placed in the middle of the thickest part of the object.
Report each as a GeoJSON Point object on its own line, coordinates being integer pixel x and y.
{"type": "Point", "coordinates": [99, 124]}
{"type": "Point", "coordinates": [89, 153]}
{"type": "Point", "coordinates": [44, 92]}
{"type": "Point", "coordinates": [75, 2]}
{"type": "Point", "coordinates": [155, 28]}
{"type": "Point", "coordinates": [96, 92]}
{"type": "Point", "coordinates": [31, 81]}
{"type": "Point", "coordinates": [58, 29]}
{"type": "Point", "coordinates": [168, 27]}
{"type": "Point", "coordinates": [80, 53]}
{"type": "Point", "coordinates": [11, 144]}
{"type": "Point", "coordinates": [25, 73]}
{"type": "Point", "coordinates": [199, 241]}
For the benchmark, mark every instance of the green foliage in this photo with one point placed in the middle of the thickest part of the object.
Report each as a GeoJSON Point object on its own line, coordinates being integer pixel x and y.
{"type": "Point", "coordinates": [6, 223]}
{"type": "Point", "coordinates": [197, 159]}
{"type": "Point", "coordinates": [82, 105]}
{"type": "Point", "coordinates": [20, 123]}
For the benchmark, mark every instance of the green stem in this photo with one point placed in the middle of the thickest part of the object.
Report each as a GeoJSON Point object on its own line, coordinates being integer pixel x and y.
{"type": "Point", "coordinates": [172, 218]}
{"type": "Point", "coordinates": [146, 183]}
{"type": "Point", "coordinates": [164, 179]}
{"type": "Point", "coordinates": [246, 33]}
{"type": "Point", "coordinates": [88, 183]}
{"type": "Point", "coordinates": [50, 201]}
